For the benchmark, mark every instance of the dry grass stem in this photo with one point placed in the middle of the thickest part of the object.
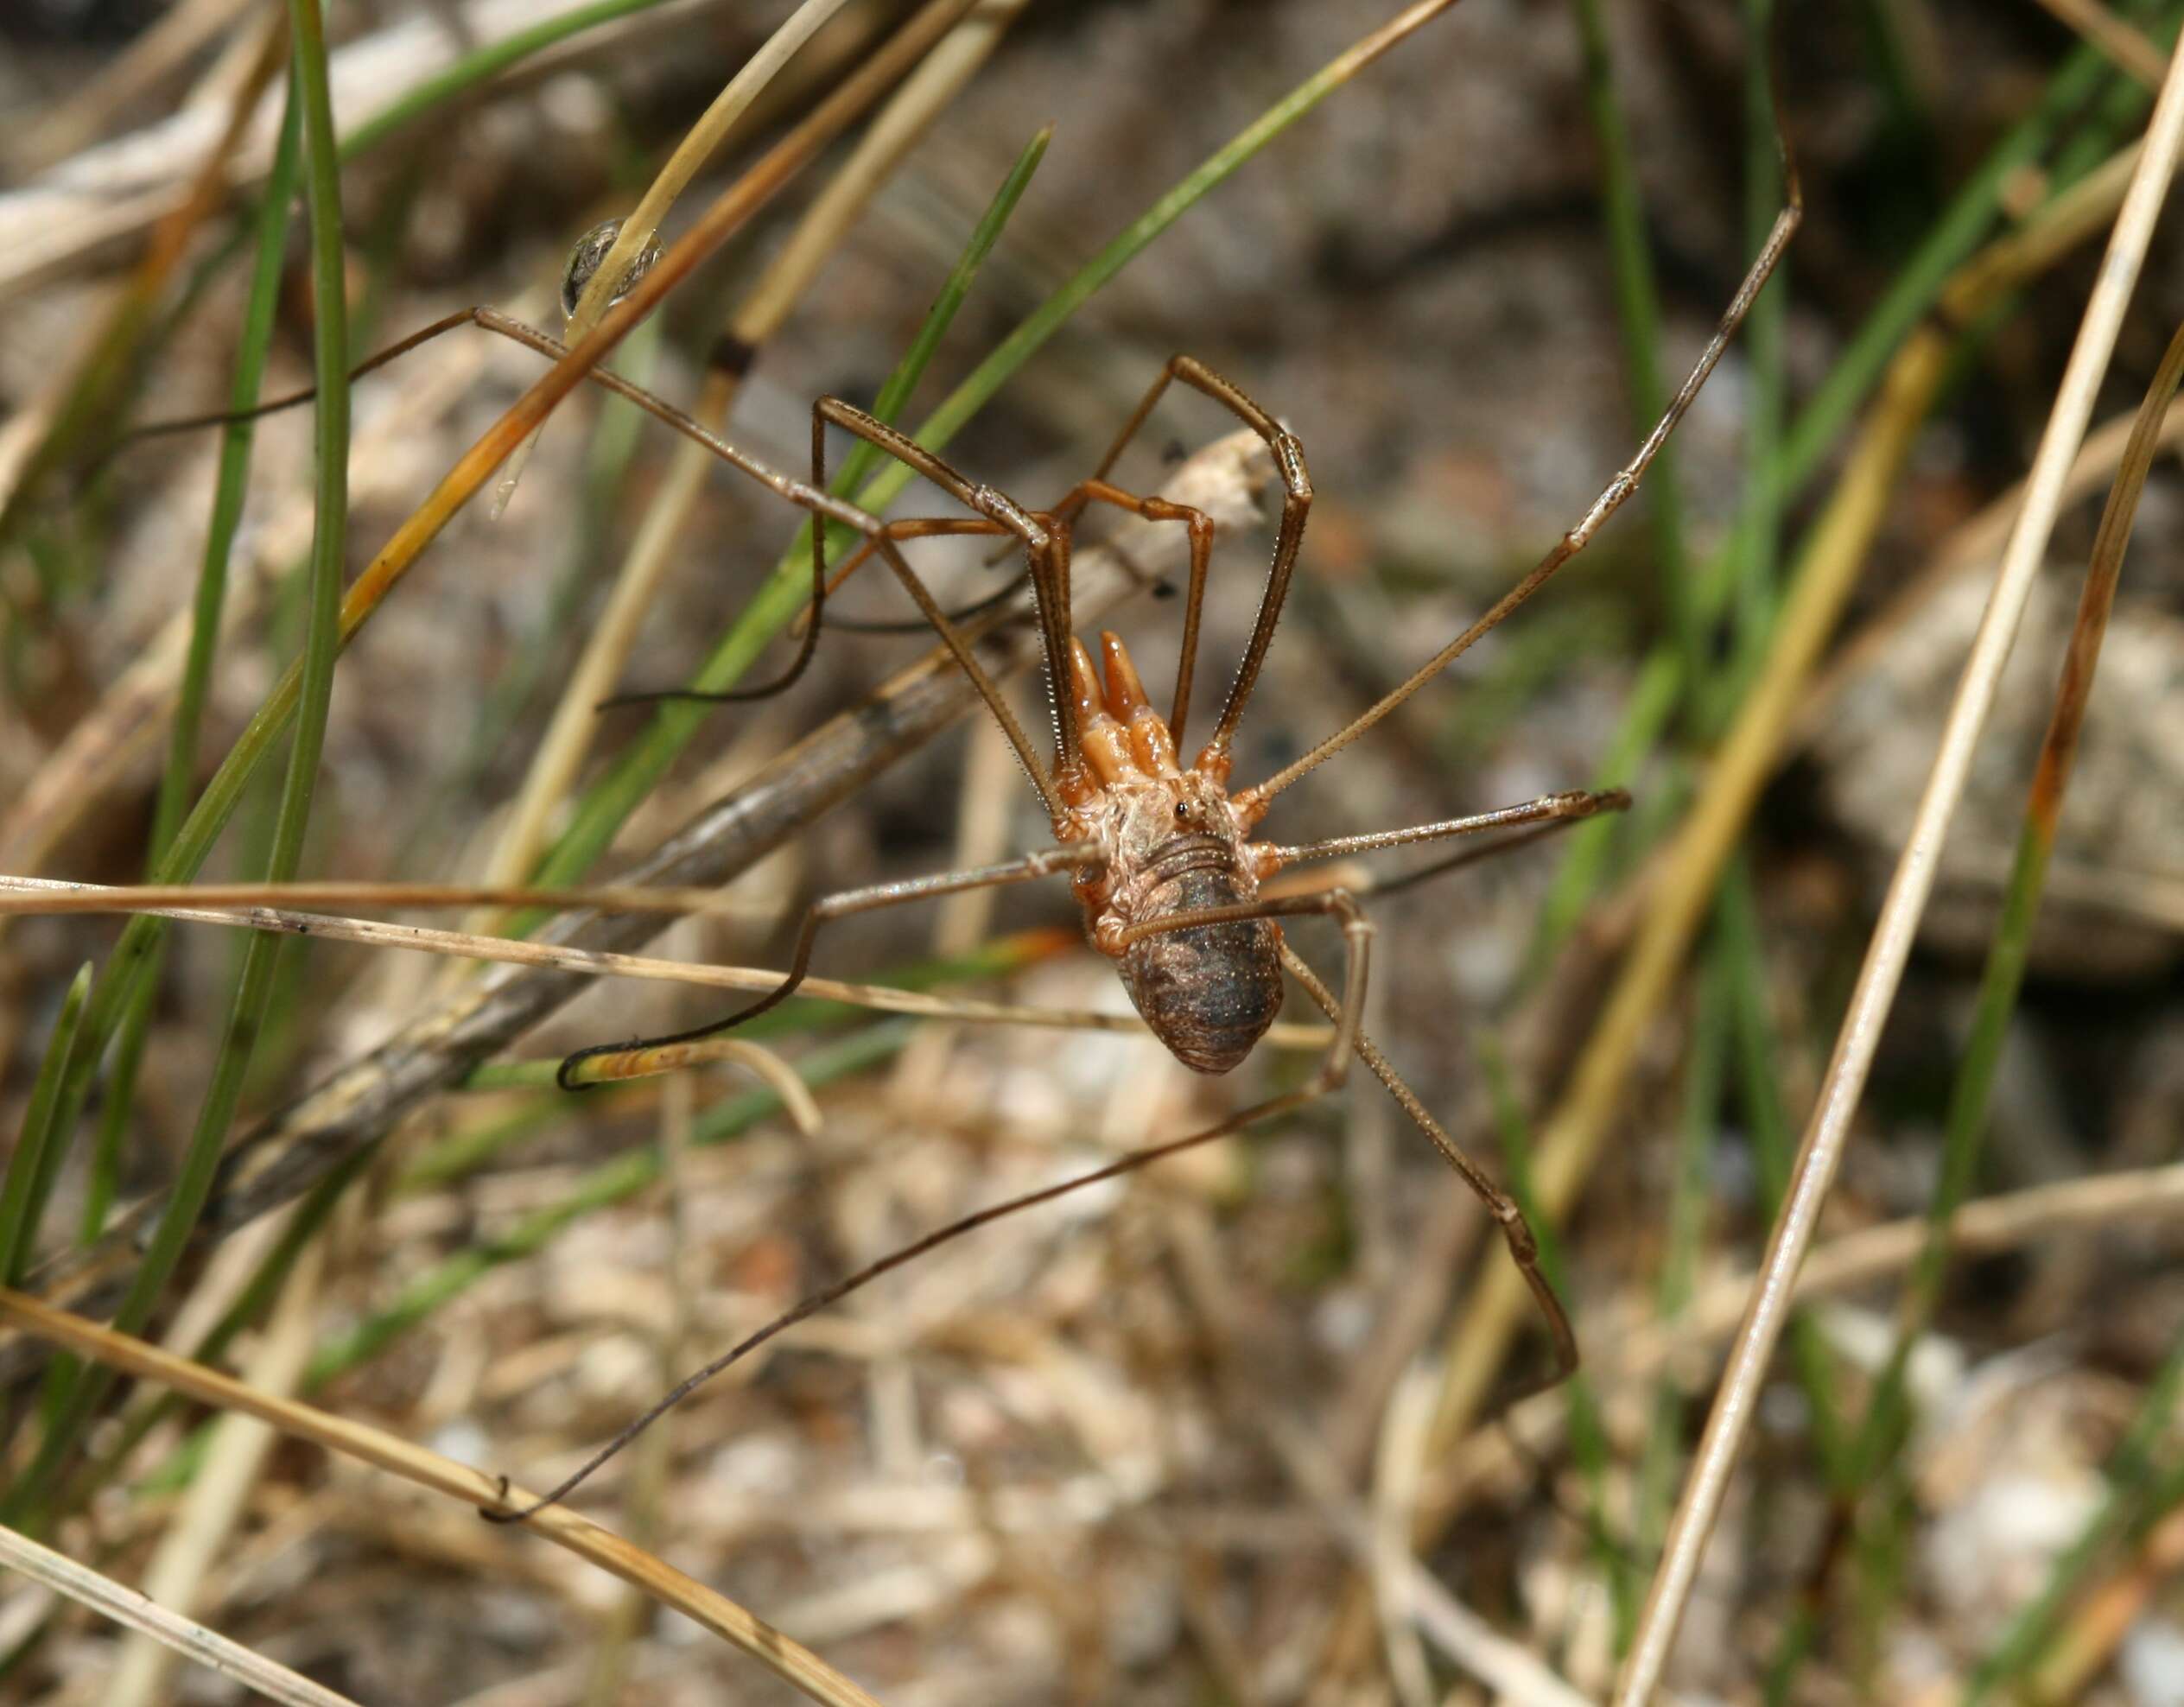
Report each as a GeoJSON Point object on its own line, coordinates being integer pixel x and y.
{"type": "Point", "coordinates": [41, 895]}
{"type": "Point", "coordinates": [219, 1494]}
{"type": "Point", "coordinates": [787, 1660]}
{"type": "Point", "coordinates": [796, 1096]}
{"type": "Point", "coordinates": [1820, 1151]}
{"type": "Point", "coordinates": [690, 153]}
{"type": "Point", "coordinates": [58, 895]}
{"type": "Point", "coordinates": [137, 1612]}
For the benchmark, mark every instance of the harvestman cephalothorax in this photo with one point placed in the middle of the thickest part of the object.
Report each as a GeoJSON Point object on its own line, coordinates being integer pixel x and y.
{"type": "Point", "coordinates": [1158, 850]}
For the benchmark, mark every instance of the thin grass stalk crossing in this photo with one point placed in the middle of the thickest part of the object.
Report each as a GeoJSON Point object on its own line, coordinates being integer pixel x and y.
{"type": "Point", "coordinates": [1884, 1431]}
{"type": "Point", "coordinates": [1821, 1148]}
{"type": "Point", "coordinates": [124, 1606]}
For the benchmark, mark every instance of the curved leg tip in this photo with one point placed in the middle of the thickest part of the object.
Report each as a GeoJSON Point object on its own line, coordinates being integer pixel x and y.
{"type": "Point", "coordinates": [562, 1075]}
{"type": "Point", "coordinates": [500, 1498]}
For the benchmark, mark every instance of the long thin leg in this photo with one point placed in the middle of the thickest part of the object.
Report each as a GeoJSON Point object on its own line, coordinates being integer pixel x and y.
{"type": "Point", "coordinates": [1363, 884]}
{"type": "Point", "coordinates": [1046, 546]}
{"type": "Point", "coordinates": [1289, 458]}
{"type": "Point", "coordinates": [1334, 1068]}
{"type": "Point", "coordinates": [1005, 517]}
{"type": "Point", "coordinates": [1516, 1231]}
{"type": "Point", "coordinates": [993, 506]}
{"type": "Point", "coordinates": [1199, 524]}
{"type": "Point", "coordinates": [1570, 805]}
{"type": "Point", "coordinates": [909, 528]}
{"type": "Point", "coordinates": [1099, 490]}
{"type": "Point", "coordinates": [970, 612]}
{"type": "Point", "coordinates": [823, 505]}
{"type": "Point", "coordinates": [881, 534]}
{"type": "Point", "coordinates": [1610, 499]}
{"type": "Point", "coordinates": [818, 502]}
{"type": "Point", "coordinates": [1297, 502]}
{"type": "Point", "coordinates": [642, 1058]}
{"type": "Point", "coordinates": [924, 528]}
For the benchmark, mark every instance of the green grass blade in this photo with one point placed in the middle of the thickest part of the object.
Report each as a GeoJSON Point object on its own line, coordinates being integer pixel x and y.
{"type": "Point", "coordinates": [231, 488]}
{"type": "Point", "coordinates": [34, 1166]}
{"type": "Point", "coordinates": [895, 391]}
{"type": "Point", "coordinates": [1704, 1074]}
{"type": "Point", "coordinates": [1638, 314]}
{"type": "Point", "coordinates": [321, 647]}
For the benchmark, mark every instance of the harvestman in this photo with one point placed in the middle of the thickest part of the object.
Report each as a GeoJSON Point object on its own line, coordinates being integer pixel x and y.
{"type": "Point", "coordinates": [1157, 852]}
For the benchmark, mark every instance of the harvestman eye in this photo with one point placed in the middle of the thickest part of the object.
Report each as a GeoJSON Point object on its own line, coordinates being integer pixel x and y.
{"type": "Point", "coordinates": [591, 251]}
